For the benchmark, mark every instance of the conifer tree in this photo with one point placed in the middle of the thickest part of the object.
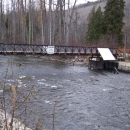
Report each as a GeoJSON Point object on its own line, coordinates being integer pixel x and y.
{"type": "Point", "coordinates": [95, 26]}
{"type": "Point", "coordinates": [113, 20]}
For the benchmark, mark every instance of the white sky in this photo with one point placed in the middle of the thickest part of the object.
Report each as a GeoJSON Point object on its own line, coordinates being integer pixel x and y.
{"type": "Point", "coordinates": [83, 1]}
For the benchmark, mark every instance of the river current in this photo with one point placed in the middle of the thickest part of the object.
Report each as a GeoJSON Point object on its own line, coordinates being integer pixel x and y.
{"type": "Point", "coordinates": [83, 99]}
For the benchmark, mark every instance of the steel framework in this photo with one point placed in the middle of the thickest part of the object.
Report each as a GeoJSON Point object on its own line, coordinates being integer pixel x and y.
{"type": "Point", "coordinates": [42, 49]}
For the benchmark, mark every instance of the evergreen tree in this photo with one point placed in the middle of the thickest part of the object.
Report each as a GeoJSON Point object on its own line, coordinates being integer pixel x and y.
{"type": "Point", "coordinates": [95, 26]}
{"type": "Point", "coordinates": [113, 20]}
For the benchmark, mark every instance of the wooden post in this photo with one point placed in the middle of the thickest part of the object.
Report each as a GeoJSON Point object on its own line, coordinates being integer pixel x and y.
{"type": "Point", "coordinates": [125, 47]}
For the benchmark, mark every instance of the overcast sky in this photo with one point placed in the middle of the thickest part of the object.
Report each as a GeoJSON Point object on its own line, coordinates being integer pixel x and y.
{"type": "Point", "coordinates": [83, 1]}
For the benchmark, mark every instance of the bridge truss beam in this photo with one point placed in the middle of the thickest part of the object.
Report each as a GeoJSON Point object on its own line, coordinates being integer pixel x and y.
{"type": "Point", "coordinates": [42, 49]}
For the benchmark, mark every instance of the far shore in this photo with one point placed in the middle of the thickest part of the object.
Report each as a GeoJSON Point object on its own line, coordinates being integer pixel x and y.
{"type": "Point", "coordinates": [124, 66]}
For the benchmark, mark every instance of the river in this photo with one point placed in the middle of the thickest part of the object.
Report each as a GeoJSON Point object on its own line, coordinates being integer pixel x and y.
{"type": "Point", "coordinates": [83, 99]}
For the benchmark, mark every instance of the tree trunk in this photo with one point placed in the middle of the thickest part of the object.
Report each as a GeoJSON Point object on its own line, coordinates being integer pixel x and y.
{"type": "Point", "coordinates": [42, 27]}
{"type": "Point", "coordinates": [30, 6]}
{"type": "Point", "coordinates": [50, 21]}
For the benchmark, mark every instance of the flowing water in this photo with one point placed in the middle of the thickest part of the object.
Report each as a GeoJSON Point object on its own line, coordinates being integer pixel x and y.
{"type": "Point", "coordinates": [82, 99]}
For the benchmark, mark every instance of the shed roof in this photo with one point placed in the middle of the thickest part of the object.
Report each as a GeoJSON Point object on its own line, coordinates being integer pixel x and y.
{"type": "Point", "coordinates": [106, 54]}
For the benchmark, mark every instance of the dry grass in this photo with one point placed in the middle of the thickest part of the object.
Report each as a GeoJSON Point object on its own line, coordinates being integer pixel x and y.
{"type": "Point", "coordinates": [127, 50]}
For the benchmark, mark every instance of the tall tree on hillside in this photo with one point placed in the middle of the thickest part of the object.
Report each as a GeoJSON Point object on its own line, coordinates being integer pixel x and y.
{"type": "Point", "coordinates": [42, 26]}
{"type": "Point", "coordinates": [30, 21]}
{"type": "Point", "coordinates": [1, 21]}
{"type": "Point", "coordinates": [113, 20]}
{"type": "Point", "coordinates": [95, 25]}
{"type": "Point", "coordinates": [69, 20]}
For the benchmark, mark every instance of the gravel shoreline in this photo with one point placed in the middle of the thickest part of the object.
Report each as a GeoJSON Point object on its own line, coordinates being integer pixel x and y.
{"type": "Point", "coordinates": [17, 125]}
{"type": "Point", "coordinates": [82, 60]}
{"type": "Point", "coordinates": [75, 60]}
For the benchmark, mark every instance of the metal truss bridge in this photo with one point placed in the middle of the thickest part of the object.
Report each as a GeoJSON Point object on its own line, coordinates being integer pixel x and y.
{"type": "Point", "coordinates": [42, 49]}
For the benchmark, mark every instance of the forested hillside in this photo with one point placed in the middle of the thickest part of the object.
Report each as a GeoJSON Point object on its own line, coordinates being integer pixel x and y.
{"type": "Point", "coordinates": [52, 23]}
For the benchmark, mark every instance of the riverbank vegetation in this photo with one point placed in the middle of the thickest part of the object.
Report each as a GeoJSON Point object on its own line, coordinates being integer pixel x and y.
{"type": "Point", "coordinates": [62, 22]}
{"type": "Point", "coordinates": [15, 100]}
{"type": "Point", "coordinates": [107, 24]}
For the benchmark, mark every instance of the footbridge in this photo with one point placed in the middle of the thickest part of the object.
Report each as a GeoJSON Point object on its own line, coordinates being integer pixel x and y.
{"type": "Point", "coordinates": [43, 49]}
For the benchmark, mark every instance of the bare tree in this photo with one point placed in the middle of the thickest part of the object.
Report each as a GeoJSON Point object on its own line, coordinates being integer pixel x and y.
{"type": "Point", "coordinates": [30, 6]}
{"type": "Point", "coordinates": [43, 22]}
{"type": "Point", "coordinates": [50, 21]}
{"type": "Point", "coordinates": [42, 27]}
{"type": "Point", "coordinates": [70, 12]}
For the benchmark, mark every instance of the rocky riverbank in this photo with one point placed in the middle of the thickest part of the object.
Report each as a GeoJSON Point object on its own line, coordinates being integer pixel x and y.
{"type": "Point", "coordinates": [124, 66]}
{"type": "Point", "coordinates": [82, 60]}
{"type": "Point", "coordinates": [17, 125]}
{"type": "Point", "coordinates": [75, 60]}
